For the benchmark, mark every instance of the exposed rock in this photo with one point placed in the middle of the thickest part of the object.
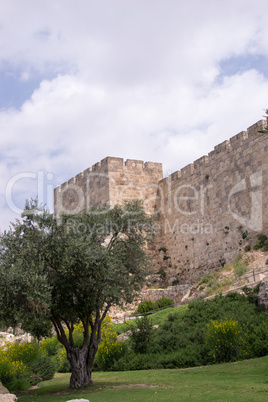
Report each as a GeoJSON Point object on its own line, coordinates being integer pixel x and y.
{"type": "Point", "coordinates": [263, 293]}
{"type": "Point", "coordinates": [3, 389]}
{"type": "Point", "coordinates": [5, 396]}
{"type": "Point", "coordinates": [78, 400]}
{"type": "Point", "coordinates": [8, 398]}
{"type": "Point", "coordinates": [7, 337]}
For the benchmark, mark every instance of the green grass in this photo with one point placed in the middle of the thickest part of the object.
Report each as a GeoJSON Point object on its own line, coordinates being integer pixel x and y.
{"type": "Point", "coordinates": [156, 318]}
{"type": "Point", "coordinates": [239, 381]}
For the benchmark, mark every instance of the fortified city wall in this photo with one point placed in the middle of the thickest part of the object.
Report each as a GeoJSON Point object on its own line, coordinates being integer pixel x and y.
{"type": "Point", "coordinates": [202, 213]}
{"type": "Point", "coordinates": [109, 182]}
{"type": "Point", "coordinates": [209, 209]}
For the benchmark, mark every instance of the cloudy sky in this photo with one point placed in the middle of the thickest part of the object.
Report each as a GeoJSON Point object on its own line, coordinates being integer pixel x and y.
{"type": "Point", "coordinates": [154, 80]}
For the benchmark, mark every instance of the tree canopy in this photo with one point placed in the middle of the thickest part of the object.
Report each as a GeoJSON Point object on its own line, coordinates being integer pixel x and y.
{"type": "Point", "coordinates": [265, 130]}
{"type": "Point", "coordinates": [54, 274]}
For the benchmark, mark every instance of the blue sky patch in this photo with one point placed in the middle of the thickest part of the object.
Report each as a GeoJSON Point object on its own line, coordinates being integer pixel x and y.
{"type": "Point", "coordinates": [240, 64]}
{"type": "Point", "coordinates": [14, 90]}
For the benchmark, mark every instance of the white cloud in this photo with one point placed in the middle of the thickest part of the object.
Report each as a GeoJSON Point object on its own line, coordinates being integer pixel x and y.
{"type": "Point", "coordinates": [131, 79]}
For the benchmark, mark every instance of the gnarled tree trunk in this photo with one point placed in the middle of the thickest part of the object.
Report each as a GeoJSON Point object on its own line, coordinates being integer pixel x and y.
{"type": "Point", "coordinates": [81, 361]}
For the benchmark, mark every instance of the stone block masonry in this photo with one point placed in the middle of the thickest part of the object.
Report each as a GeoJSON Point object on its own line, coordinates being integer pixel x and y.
{"type": "Point", "coordinates": [209, 208]}
{"type": "Point", "coordinates": [109, 182]}
{"type": "Point", "coordinates": [202, 213]}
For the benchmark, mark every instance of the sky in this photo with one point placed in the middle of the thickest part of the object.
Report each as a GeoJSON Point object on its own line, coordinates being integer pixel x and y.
{"type": "Point", "coordinates": [153, 80]}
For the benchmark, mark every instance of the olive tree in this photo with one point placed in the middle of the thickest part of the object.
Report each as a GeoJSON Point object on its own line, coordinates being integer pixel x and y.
{"type": "Point", "coordinates": [59, 273]}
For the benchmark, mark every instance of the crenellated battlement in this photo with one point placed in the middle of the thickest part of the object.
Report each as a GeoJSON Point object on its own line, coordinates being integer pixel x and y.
{"type": "Point", "coordinates": [241, 141]}
{"type": "Point", "coordinates": [200, 210]}
{"type": "Point", "coordinates": [109, 181]}
{"type": "Point", "coordinates": [113, 165]}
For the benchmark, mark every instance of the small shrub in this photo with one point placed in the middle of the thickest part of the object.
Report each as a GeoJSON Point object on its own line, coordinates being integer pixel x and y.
{"type": "Point", "coordinates": [261, 243]}
{"type": "Point", "coordinates": [23, 352]}
{"type": "Point", "coordinates": [257, 245]}
{"type": "Point", "coordinates": [50, 345]}
{"type": "Point", "coordinates": [63, 362]}
{"type": "Point", "coordinates": [44, 367]}
{"type": "Point", "coordinates": [36, 360]}
{"type": "Point", "coordinates": [252, 294]}
{"type": "Point", "coordinates": [244, 235]}
{"type": "Point", "coordinates": [15, 376]}
{"type": "Point", "coordinates": [224, 339]}
{"type": "Point", "coordinates": [247, 248]}
{"type": "Point", "coordinates": [265, 246]}
{"type": "Point", "coordinates": [141, 333]}
{"type": "Point", "coordinates": [163, 302]}
{"type": "Point", "coordinates": [109, 351]}
{"type": "Point", "coordinates": [262, 238]}
{"type": "Point", "coordinates": [147, 306]}
{"type": "Point", "coordinates": [266, 262]}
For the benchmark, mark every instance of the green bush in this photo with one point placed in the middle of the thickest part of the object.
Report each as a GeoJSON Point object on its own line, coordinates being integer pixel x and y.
{"type": "Point", "coordinates": [247, 248]}
{"type": "Point", "coordinates": [265, 246]}
{"type": "Point", "coordinates": [225, 340]}
{"type": "Point", "coordinates": [163, 302]}
{"type": "Point", "coordinates": [44, 367]}
{"type": "Point", "coordinates": [262, 238]}
{"type": "Point", "coordinates": [262, 242]}
{"type": "Point", "coordinates": [23, 352]}
{"type": "Point", "coordinates": [140, 336]}
{"type": "Point", "coordinates": [51, 346]}
{"type": "Point", "coordinates": [63, 362]}
{"type": "Point", "coordinates": [14, 375]}
{"type": "Point", "coordinates": [178, 358]}
{"type": "Point", "coordinates": [252, 294]}
{"type": "Point", "coordinates": [187, 333]}
{"type": "Point", "coordinates": [182, 338]}
{"type": "Point", "coordinates": [147, 306]}
{"type": "Point", "coordinates": [257, 245]}
{"type": "Point", "coordinates": [110, 350]}
{"type": "Point", "coordinates": [28, 364]}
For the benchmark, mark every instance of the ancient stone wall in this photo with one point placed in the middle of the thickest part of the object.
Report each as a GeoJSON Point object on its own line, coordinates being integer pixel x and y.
{"type": "Point", "coordinates": [109, 182]}
{"type": "Point", "coordinates": [202, 214]}
{"type": "Point", "coordinates": [209, 209]}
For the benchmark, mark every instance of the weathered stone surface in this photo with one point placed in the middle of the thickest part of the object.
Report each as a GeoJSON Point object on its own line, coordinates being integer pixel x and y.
{"type": "Point", "coordinates": [7, 337]}
{"type": "Point", "coordinates": [3, 389]}
{"type": "Point", "coordinates": [78, 400]}
{"type": "Point", "coordinates": [203, 214]}
{"type": "Point", "coordinates": [8, 398]}
{"type": "Point", "coordinates": [5, 396]}
{"type": "Point", "coordinates": [263, 293]}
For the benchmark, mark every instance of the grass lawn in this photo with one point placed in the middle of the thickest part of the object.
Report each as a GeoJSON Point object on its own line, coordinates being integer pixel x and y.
{"type": "Point", "coordinates": [239, 381]}
{"type": "Point", "coordinates": [156, 318]}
